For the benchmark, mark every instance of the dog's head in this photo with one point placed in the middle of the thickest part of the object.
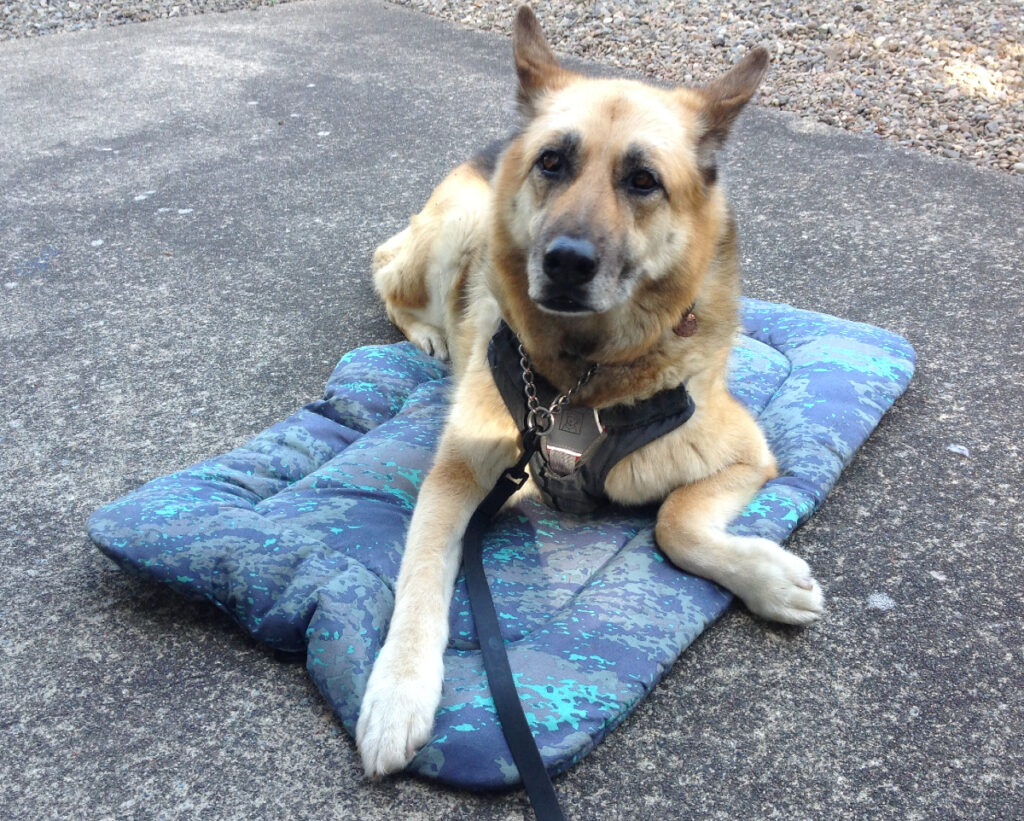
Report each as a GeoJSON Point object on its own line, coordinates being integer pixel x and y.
{"type": "Point", "coordinates": [608, 208]}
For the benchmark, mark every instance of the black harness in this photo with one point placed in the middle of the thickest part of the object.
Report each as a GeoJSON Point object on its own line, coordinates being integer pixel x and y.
{"type": "Point", "coordinates": [569, 463]}
{"type": "Point", "coordinates": [574, 458]}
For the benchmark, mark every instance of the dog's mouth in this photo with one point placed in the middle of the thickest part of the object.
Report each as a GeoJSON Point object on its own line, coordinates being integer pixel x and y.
{"type": "Point", "coordinates": [565, 304]}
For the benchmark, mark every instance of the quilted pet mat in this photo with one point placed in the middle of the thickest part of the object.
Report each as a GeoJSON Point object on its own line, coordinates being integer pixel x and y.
{"type": "Point", "coordinates": [297, 535]}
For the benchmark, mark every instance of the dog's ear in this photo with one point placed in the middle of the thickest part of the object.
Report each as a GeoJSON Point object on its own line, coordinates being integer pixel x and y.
{"type": "Point", "coordinates": [723, 99]}
{"type": "Point", "coordinates": [536, 64]}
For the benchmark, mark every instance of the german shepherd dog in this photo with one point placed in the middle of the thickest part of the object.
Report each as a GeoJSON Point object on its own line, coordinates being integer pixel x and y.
{"type": "Point", "coordinates": [601, 236]}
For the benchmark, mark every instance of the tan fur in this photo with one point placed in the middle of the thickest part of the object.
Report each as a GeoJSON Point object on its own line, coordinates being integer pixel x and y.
{"type": "Point", "coordinates": [422, 272]}
{"type": "Point", "coordinates": [470, 258]}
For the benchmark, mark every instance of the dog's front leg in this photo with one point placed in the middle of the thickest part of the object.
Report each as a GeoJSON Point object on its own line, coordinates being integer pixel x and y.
{"type": "Point", "coordinates": [691, 529]}
{"type": "Point", "coordinates": [404, 689]}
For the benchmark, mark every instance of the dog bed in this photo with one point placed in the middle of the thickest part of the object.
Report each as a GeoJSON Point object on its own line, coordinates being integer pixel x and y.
{"type": "Point", "coordinates": [297, 535]}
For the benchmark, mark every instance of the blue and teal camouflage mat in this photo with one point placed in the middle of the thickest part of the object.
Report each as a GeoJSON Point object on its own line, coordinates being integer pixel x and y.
{"type": "Point", "coordinates": [297, 535]}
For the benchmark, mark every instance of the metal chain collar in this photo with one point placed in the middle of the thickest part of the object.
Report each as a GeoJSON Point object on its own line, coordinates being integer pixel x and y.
{"type": "Point", "coordinates": [541, 419]}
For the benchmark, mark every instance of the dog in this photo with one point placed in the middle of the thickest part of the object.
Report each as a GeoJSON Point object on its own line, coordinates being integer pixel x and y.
{"type": "Point", "coordinates": [600, 235]}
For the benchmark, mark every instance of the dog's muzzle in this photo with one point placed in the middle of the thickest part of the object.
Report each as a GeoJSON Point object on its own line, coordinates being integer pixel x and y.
{"type": "Point", "coordinates": [569, 264]}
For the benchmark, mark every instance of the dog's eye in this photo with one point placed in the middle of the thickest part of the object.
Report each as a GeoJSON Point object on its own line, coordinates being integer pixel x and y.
{"type": "Point", "coordinates": [551, 164]}
{"type": "Point", "coordinates": [642, 181]}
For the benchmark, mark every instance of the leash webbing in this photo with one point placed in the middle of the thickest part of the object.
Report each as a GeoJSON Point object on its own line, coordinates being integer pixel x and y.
{"type": "Point", "coordinates": [514, 725]}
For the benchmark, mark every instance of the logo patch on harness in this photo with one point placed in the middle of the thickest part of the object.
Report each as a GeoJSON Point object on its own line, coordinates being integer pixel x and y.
{"type": "Point", "coordinates": [576, 433]}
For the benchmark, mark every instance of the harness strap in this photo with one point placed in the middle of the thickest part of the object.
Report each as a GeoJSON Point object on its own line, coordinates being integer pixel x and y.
{"type": "Point", "coordinates": [629, 427]}
{"type": "Point", "coordinates": [492, 646]}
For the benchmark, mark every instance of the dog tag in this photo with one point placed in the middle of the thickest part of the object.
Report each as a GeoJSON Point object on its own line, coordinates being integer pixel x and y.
{"type": "Point", "coordinates": [575, 434]}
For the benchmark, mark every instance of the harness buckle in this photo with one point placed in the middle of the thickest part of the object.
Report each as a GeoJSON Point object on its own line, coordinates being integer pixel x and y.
{"type": "Point", "coordinates": [573, 435]}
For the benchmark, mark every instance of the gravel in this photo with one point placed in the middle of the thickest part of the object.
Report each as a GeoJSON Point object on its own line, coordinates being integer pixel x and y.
{"type": "Point", "coordinates": [27, 18]}
{"type": "Point", "coordinates": [942, 77]}
{"type": "Point", "coordinates": [939, 76]}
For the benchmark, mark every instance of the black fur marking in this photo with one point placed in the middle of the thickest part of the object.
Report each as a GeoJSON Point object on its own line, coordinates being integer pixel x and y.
{"type": "Point", "coordinates": [486, 160]}
{"type": "Point", "coordinates": [710, 175]}
{"type": "Point", "coordinates": [569, 146]}
{"type": "Point", "coordinates": [637, 161]}
{"type": "Point", "coordinates": [564, 153]}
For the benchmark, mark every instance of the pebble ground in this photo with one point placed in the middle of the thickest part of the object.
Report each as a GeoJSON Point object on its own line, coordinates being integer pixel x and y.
{"type": "Point", "coordinates": [934, 75]}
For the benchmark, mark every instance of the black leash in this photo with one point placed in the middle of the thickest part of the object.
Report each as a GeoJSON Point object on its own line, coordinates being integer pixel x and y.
{"type": "Point", "coordinates": [514, 725]}
{"type": "Point", "coordinates": [628, 428]}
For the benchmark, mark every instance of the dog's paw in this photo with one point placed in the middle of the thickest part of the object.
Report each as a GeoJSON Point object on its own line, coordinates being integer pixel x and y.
{"type": "Point", "coordinates": [429, 340]}
{"type": "Point", "coordinates": [777, 585]}
{"type": "Point", "coordinates": [397, 714]}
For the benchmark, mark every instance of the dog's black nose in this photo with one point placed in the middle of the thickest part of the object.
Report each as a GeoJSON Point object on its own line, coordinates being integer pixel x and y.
{"type": "Point", "coordinates": [570, 260]}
